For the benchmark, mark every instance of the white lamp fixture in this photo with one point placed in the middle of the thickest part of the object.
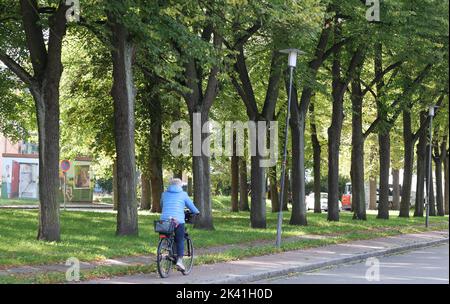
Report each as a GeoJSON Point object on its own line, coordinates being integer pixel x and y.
{"type": "Point", "coordinates": [292, 58]}
{"type": "Point", "coordinates": [431, 111]}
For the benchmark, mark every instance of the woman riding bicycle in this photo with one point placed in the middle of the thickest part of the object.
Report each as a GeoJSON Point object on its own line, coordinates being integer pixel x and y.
{"type": "Point", "coordinates": [173, 201]}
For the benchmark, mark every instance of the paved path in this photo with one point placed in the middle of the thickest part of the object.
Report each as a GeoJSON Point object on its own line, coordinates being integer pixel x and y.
{"type": "Point", "coordinates": [263, 267]}
{"type": "Point", "coordinates": [422, 266]}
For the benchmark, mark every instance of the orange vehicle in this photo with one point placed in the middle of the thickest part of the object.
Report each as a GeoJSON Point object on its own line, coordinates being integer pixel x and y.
{"type": "Point", "coordinates": [347, 197]}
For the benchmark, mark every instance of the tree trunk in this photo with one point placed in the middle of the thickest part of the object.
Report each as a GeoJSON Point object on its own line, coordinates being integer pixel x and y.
{"type": "Point", "coordinates": [384, 140]}
{"type": "Point", "coordinates": [258, 191]}
{"type": "Point", "coordinates": [202, 180]}
{"type": "Point", "coordinates": [439, 191]}
{"type": "Point", "coordinates": [178, 174]}
{"type": "Point", "coordinates": [156, 170]}
{"type": "Point", "coordinates": [189, 189]}
{"type": "Point", "coordinates": [298, 214]}
{"type": "Point", "coordinates": [408, 164]}
{"type": "Point", "coordinates": [334, 141]}
{"type": "Point", "coordinates": [157, 187]}
{"type": "Point", "coordinates": [274, 189]}
{"type": "Point", "coordinates": [243, 186]}
{"type": "Point", "coordinates": [287, 191]}
{"type": "Point", "coordinates": [44, 87]}
{"type": "Point", "coordinates": [145, 192]}
{"type": "Point", "coordinates": [48, 128]}
{"type": "Point", "coordinates": [429, 181]}
{"type": "Point", "coordinates": [421, 167]}
{"type": "Point", "coordinates": [357, 157]}
{"type": "Point", "coordinates": [234, 178]}
{"type": "Point", "coordinates": [446, 183]}
{"type": "Point", "coordinates": [385, 161]}
{"type": "Point", "coordinates": [316, 160]}
{"type": "Point", "coordinates": [123, 94]}
{"type": "Point", "coordinates": [396, 189]}
{"type": "Point", "coordinates": [115, 192]}
{"type": "Point", "coordinates": [373, 193]}
{"type": "Point", "coordinates": [334, 131]}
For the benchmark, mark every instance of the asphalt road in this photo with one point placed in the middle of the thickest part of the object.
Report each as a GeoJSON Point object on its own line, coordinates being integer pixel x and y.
{"type": "Point", "coordinates": [423, 266]}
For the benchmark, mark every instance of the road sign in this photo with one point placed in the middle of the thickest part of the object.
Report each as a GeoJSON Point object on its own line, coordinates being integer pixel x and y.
{"type": "Point", "coordinates": [65, 165]}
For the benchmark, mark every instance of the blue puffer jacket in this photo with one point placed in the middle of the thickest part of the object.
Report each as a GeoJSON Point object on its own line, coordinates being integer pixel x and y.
{"type": "Point", "coordinates": [173, 201]}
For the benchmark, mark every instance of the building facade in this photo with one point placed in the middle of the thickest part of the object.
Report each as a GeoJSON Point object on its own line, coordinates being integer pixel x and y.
{"type": "Point", "coordinates": [19, 178]}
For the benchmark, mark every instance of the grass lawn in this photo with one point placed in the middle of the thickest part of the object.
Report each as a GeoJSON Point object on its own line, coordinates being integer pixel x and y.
{"type": "Point", "coordinates": [90, 235]}
{"type": "Point", "coordinates": [17, 202]}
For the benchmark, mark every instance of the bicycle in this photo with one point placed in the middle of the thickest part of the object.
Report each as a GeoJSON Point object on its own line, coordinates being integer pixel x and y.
{"type": "Point", "coordinates": [166, 257]}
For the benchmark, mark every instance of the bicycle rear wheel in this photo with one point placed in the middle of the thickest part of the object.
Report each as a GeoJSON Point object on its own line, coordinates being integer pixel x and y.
{"type": "Point", "coordinates": [188, 259]}
{"type": "Point", "coordinates": [163, 258]}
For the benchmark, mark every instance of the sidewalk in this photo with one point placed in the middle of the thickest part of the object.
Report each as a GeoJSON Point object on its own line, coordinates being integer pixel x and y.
{"type": "Point", "coordinates": [258, 268]}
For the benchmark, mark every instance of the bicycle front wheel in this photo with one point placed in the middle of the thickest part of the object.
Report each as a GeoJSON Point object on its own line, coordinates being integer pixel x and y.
{"type": "Point", "coordinates": [163, 261]}
{"type": "Point", "coordinates": [188, 258]}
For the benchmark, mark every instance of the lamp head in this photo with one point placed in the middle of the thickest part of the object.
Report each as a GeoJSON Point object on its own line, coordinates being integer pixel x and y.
{"type": "Point", "coordinates": [432, 110]}
{"type": "Point", "coordinates": [292, 56]}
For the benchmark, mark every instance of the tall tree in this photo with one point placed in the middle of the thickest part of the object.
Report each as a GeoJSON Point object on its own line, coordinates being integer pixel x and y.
{"type": "Point", "coordinates": [43, 46]}
{"type": "Point", "coordinates": [199, 100]}
{"type": "Point", "coordinates": [123, 94]}
{"type": "Point", "coordinates": [339, 86]}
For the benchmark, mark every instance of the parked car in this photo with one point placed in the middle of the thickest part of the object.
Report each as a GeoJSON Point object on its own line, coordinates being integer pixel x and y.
{"type": "Point", "coordinates": [323, 201]}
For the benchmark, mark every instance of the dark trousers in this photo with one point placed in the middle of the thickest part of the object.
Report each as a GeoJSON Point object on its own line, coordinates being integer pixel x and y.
{"type": "Point", "coordinates": [179, 240]}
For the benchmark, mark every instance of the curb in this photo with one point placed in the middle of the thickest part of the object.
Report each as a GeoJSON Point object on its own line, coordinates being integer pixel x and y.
{"type": "Point", "coordinates": [334, 262]}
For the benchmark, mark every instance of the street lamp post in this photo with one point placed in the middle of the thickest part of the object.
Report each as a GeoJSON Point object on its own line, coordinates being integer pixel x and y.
{"type": "Point", "coordinates": [430, 165]}
{"type": "Point", "coordinates": [292, 63]}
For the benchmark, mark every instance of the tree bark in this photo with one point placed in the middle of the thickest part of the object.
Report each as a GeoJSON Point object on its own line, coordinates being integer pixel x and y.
{"type": "Point", "coordinates": [373, 193]}
{"type": "Point", "coordinates": [317, 161]}
{"type": "Point", "coordinates": [234, 179]}
{"type": "Point", "coordinates": [243, 186]}
{"type": "Point", "coordinates": [385, 161]}
{"type": "Point", "coordinates": [384, 140]}
{"type": "Point", "coordinates": [123, 94]}
{"type": "Point", "coordinates": [145, 192]}
{"type": "Point", "coordinates": [274, 198]}
{"type": "Point", "coordinates": [408, 164]}
{"type": "Point", "coordinates": [439, 190]}
{"type": "Point", "coordinates": [429, 180]}
{"type": "Point", "coordinates": [258, 191]}
{"type": "Point", "coordinates": [189, 186]}
{"type": "Point", "coordinates": [287, 191]}
{"type": "Point", "coordinates": [446, 183]}
{"type": "Point", "coordinates": [396, 188]}
{"type": "Point", "coordinates": [48, 130]}
{"type": "Point", "coordinates": [156, 170]}
{"type": "Point", "coordinates": [298, 214]}
{"type": "Point", "coordinates": [202, 182]}
{"type": "Point", "coordinates": [178, 174]}
{"type": "Point", "coordinates": [421, 167]}
{"type": "Point", "coordinates": [115, 192]}
{"type": "Point", "coordinates": [357, 156]}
